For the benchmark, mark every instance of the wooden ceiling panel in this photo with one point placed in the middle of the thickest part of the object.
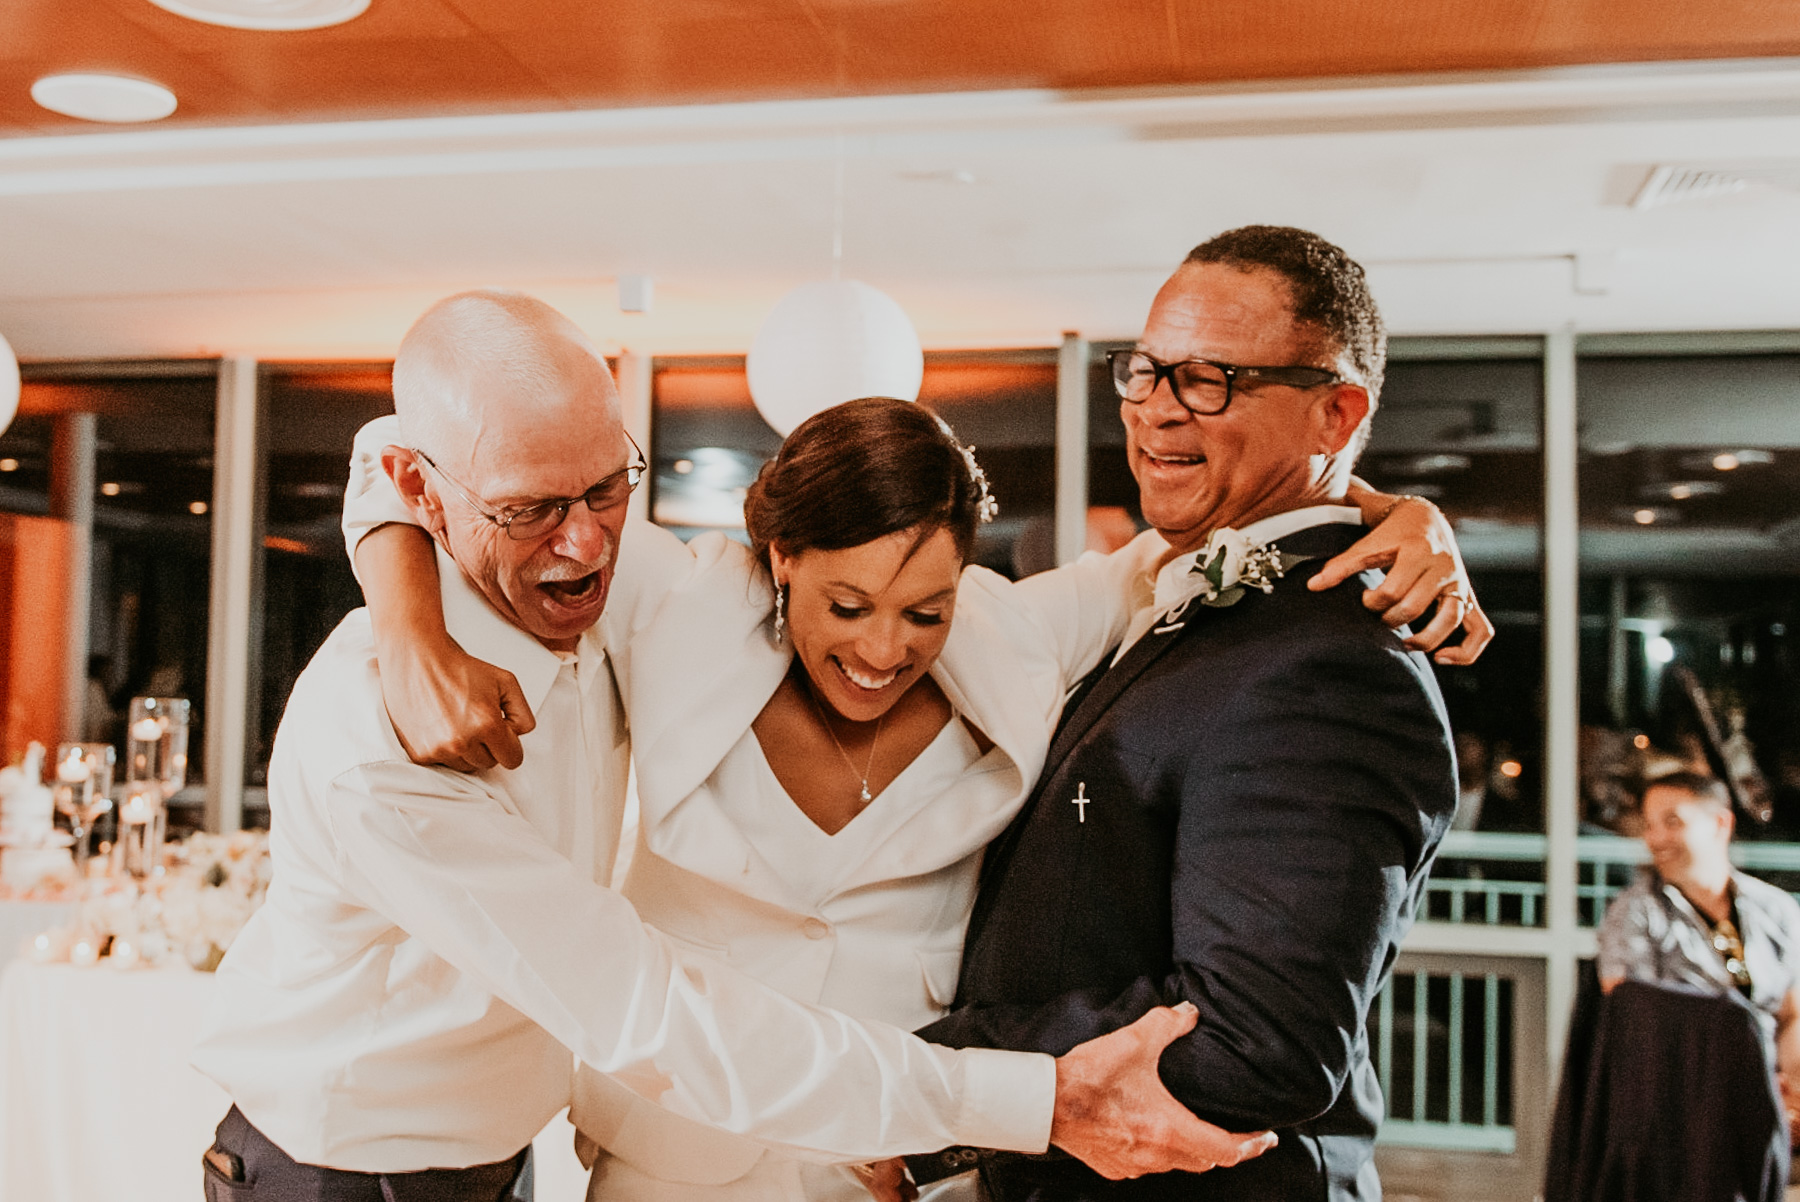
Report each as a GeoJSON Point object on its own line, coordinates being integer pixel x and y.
{"type": "Point", "coordinates": [420, 57]}
{"type": "Point", "coordinates": [928, 45]}
{"type": "Point", "coordinates": [695, 61]}
{"type": "Point", "coordinates": [618, 19]}
{"type": "Point", "coordinates": [465, 74]}
{"type": "Point", "coordinates": [1631, 30]}
{"type": "Point", "coordinates": [394, 19]}
{"type": "Point", "coordinates": [39, 38]}
{"type": "Point", "coordinates": [1289, 38]}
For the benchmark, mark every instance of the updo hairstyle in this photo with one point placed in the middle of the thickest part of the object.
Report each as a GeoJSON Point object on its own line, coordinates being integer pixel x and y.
{"type": "Point", "coordinates": [861, 471]}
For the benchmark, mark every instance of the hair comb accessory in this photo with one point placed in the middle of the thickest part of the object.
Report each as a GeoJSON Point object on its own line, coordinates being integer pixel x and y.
{"type": "Point", "coordinates": [986, 507]}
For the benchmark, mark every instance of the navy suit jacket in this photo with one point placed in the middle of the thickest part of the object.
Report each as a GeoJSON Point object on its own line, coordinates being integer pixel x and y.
{"type": "Point", "coordinates": [1266, 786]}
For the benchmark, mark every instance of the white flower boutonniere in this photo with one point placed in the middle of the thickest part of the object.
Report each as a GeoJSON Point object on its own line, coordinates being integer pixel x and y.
{"type": "Point", "coordinates": [1231, 564]}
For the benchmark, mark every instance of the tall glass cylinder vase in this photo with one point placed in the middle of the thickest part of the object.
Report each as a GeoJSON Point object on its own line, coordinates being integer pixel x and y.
{"type": "Point", "coordinates": [156, 739]}
{"type": "Point", "coordinates": [143, 824]}
{"type": "Point", "coordinates": [84, 775]}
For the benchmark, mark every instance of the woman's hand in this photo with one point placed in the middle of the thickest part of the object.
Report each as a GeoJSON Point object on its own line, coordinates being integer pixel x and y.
{"type": "Point", "coordinates": [1413, 541]}
{"type": "Point", "coordinates": [452, 709]}
{"type": "Point", "coordinates": [886, 1180]}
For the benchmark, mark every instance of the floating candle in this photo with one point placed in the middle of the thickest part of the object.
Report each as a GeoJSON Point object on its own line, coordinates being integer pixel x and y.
{"type": "Point", "coordinates": [138, 809]}
{"type": "Point", "coordinates": [73, 769]}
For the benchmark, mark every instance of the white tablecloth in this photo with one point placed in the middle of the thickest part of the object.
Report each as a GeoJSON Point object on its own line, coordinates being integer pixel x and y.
{"type": "Point", "coordinates": [20, 920]}
{"type": "Point", "coordinates": [98, 1104]}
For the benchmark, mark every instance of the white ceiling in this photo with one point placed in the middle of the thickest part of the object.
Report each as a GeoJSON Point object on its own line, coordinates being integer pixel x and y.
{"type": "Point", "coordinates": [1480, 204]}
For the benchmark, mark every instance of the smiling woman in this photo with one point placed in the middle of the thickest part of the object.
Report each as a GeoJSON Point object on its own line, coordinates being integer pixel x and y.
{"type": "Point", "coordinates": [864, 521]}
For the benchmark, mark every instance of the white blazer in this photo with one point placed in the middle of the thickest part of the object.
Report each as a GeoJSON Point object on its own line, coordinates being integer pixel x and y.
{"type": "Point", "coordinates": [700, 671]}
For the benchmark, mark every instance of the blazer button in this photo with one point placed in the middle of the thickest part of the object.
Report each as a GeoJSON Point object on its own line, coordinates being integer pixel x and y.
{"type": "Point", "coordinates": [815, 928]}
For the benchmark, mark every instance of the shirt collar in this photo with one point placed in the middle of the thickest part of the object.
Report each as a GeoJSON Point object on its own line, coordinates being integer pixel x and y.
{"type": "Point", "coordinates": [1175, 580]}
{"type": "Point", "coordinates": [484, 634]}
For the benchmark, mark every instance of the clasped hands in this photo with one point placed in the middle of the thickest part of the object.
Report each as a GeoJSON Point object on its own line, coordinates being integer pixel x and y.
{"type": "Point", "coordinates": [1114, 1114]}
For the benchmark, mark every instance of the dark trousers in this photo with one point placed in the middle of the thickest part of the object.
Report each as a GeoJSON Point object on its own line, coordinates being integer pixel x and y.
{"type": "Point", "coordinates": [270, 1175]}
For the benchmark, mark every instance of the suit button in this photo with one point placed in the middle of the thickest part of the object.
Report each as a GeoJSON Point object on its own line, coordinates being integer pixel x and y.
{"type": "Point", "coordinates": [815, 928]}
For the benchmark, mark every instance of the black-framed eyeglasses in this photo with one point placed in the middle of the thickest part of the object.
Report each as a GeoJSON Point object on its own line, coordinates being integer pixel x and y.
{"type": "Point", "coordinates": [1203, 386]}
{"type": "Point", "coordinates": [541, 517]}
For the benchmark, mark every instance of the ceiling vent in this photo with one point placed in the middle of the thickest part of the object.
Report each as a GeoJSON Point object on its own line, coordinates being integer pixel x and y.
{"type": "Point", "coordinates": [1676, 183]}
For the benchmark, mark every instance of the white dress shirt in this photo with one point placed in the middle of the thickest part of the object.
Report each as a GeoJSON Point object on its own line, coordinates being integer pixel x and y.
{"type": "Point", "coordinates": [433, 942]}
{"type": "Point", "coordinates": [1175, 584]}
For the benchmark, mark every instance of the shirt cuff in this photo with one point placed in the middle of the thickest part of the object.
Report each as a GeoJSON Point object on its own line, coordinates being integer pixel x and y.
{"type": "Point", "coordinates": [1009, 1099]}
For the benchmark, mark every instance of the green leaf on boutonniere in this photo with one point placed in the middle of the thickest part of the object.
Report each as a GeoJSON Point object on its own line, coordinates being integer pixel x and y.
{"type": "Point", "coordinates": [1220, 600]}
{"type": "Point", "coordinates": [1214, 570]}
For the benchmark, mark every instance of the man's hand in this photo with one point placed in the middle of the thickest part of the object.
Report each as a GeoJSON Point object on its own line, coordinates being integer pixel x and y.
{"type": "Point", "coordinates": [1113, 1113]}
{"type": "Point", "coordinates": [452, 709]}
{"type": "Point", "coordinates": [886, 1180]}
{"type": "Point", "coordinates": [1417, 547]}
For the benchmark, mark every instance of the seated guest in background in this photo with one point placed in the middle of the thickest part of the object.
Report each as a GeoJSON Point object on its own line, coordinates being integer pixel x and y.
{"type": "Point", "coordinates": [396, 1021]}
{"type": "Point", "coordinates": [1691, 918]}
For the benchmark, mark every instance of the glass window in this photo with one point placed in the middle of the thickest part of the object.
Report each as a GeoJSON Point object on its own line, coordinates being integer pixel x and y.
{"type": "Point", "coordinates": [152, 532]}
{"type": "Point", "coordinates": [1459, 422]}
{"type": "Point", "coordinates": [710, 442]}
{"type": "Point", "coordinates": [1690, 594]}
{"type": "Point", "coordinates": [311, 415]}
{"type": "Point", "coordinates": [1113, 512]}
{"type": "Point", "coordinates": [25, 463]}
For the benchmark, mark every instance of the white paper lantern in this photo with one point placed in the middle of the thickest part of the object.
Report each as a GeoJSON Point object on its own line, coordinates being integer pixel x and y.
{"type": "Point", "coordinates": [9, 385]}
{"type": "Point", "coordinates": [831, 342]}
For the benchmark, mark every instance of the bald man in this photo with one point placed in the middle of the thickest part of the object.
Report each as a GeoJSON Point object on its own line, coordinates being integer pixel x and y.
{"type": "Point", "coordinates": [396, 1021]}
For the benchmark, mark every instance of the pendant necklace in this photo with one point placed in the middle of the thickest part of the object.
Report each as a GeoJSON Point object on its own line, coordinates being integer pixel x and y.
{"type": "Point", "coordinates": [849, 763]}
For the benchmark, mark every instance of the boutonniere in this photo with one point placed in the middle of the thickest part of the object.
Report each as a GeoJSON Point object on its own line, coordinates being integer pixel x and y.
{"type": "Point", "coordinates": [1235, 565]}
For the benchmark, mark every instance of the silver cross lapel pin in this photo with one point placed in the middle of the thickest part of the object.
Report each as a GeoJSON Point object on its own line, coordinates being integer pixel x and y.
{"type": "Point", "coordinates": [1080, 802]}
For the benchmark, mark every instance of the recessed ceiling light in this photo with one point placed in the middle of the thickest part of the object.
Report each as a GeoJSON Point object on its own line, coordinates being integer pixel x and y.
{"type": "Point", "coordinates": [112, 98]}
{"type": "Point", "coordinates": [267, 14]}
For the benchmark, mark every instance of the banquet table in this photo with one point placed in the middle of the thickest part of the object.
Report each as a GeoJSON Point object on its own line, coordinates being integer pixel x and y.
{"type": "Point", "coordinates": [20, 920]}
{"type": "Point", "coordinates": [99, 1104]}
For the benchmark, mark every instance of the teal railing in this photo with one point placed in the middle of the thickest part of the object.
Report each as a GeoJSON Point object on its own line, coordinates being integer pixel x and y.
{"type": "Point", "coordinates": [1442, 1044]}
{"type": "Point", "coordinates": [1498, 879]}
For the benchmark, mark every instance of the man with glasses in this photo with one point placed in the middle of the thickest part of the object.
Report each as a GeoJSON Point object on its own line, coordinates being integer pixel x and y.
{"type": "Point", "coordinates": [396, 1022]}
{"type": "Point", "coordinates": [1241, 806]}
{"type": "Point", "coordinates": [1692, 919]}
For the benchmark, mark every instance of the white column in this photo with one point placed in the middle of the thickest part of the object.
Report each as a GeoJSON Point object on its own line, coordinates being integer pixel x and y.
{"type": "Point", "coordinates": [1071, 448]}
{"type": "Point", "coordinates": [635, 376]}
{"type": "Point", "coordinates": [1562, 709]}
{"type": "Point", "coordinates": [72, 446]}
{"type": "Point", "coordinates": [234, 533]}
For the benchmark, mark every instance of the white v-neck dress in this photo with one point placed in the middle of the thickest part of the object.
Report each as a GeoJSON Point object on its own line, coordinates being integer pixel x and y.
{"type": "Point", "coordinates": [890, 956]}
{"type": "Point", "coordinates": [812, 862]}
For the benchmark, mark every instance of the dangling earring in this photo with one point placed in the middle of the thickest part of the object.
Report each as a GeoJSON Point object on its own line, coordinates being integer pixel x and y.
{"type": "Point", "coordinates": [780, 613]}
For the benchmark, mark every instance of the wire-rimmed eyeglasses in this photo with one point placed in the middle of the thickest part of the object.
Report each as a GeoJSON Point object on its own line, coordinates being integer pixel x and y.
{"type": "Point", "coordinates": [1203, 386]}
{"type": "Point", "coordinates": [541, 517]}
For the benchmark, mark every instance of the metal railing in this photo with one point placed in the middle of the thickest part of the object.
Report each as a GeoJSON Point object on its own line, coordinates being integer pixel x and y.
{"type": "Point", "coordinates": [1442, 1043]}
{"type": "Point", "coordinates": [1493, 879]}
